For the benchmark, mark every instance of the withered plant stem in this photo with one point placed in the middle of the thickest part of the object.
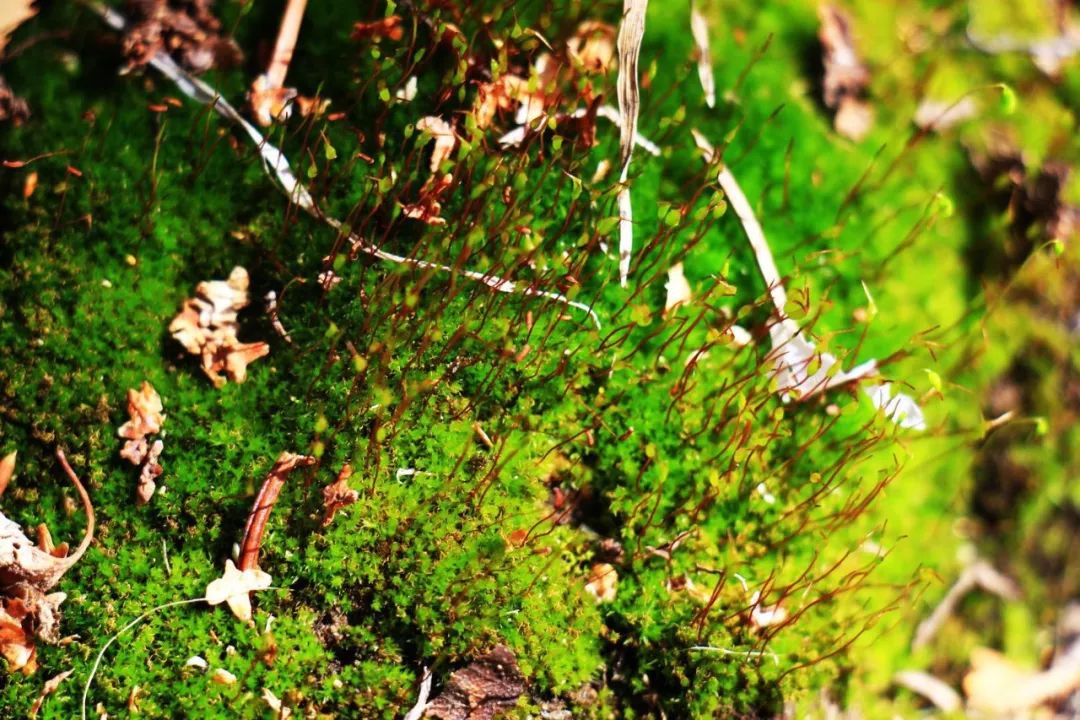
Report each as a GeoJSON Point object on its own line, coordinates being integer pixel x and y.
{"type": "Point", "coordinates": [264, 503]}
{"type": "Point", "coordinates": [88, 536]}
{"type": "Point", "coordinates": [286, 43]}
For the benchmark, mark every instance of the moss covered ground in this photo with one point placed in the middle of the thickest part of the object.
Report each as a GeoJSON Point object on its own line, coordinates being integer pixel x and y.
{"type": "Point", "coordinates": [533, 443]}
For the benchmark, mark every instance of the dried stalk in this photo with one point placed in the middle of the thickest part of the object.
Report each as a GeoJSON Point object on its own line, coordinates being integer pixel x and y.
{"type": "Point", "coordinates": [631, 30]}
{"type": "Point", "coordinates": [699, 28]}
{"type": "Point", "coordinates": [264, 503]}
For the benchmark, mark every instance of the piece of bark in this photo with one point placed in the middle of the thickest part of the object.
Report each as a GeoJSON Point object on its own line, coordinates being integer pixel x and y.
{"type": "Point", "coordinates": [488, 685]}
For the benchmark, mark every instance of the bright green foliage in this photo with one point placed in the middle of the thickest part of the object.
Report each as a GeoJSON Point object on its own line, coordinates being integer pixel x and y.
{"type": "Point", "coordinates": [498, 440]}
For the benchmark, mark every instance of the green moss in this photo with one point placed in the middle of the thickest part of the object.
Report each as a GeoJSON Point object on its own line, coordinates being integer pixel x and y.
{"type": "Point", "coordinates": [395, 370]}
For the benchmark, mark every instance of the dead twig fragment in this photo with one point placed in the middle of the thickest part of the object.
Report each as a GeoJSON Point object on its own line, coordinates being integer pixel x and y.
{"type": "Point", "coordinates": [937, 691]}
{"type": "Point", "coordinates": [417, 710]}
{"type": "Point", "coordinates": [264, 503]}
{"type": "Point", "coordinates": [631, 30]}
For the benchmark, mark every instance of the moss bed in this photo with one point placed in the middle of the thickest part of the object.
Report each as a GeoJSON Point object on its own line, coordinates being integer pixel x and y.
{"type": "Point", "coordinates": [502, 444]}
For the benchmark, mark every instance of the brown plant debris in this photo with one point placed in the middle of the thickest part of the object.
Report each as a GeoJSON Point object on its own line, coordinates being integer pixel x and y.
{"type": "Point", "coordinates": [186, 29]}
{"type": "Point", "coordinates": [443, 134]}
{"type": "Point", "coordinates": [592, 47]}
{"type": "Point", "coordinates": [603, 582]}
{"type": "Point", "coordinates": [12, 14]}
{"type": "Point", "coordinates": [485, 687]}
{"type": "Point", "coordinates": [144, 410]}
{"type": "Point", "coordinates": [264, 503]}
{"type": "Point", "coordinates": [239, 580]}
{"type": "Point", "coordinates": [27, 572]}
{"type": "Point", "coordinates": [207, 326]}
{"type": "Point", "coordinates": [846, 78]}
{"type": "Point", "coordinates": [338, 495]}
{"type": "Point", "coordinates": [388, 27]}
{"type": "Point", "coordinates": [7, 469]}
{"type": "Point", "coordinates": [48, 689]}
{"type": "Point", "coordinates": [270, 99]}
{"type": "Point", "coordinates": [12, 107]}
{"type": "Point", "coordinates": [428, 207]}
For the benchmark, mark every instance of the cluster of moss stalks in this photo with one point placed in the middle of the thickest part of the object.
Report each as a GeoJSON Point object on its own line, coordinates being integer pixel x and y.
{"type": "Point", "coordinates": [502, 444]}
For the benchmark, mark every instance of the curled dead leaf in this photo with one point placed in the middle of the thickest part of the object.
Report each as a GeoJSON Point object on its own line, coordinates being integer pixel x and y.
{"type": "Point", "coordinates": [27, 571]}
{"type": "Point", "coordinates": [207, 326]}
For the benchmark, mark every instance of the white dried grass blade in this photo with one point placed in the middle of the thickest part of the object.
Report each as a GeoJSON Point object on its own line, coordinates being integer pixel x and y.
{"type": "Point", "coordinates": [626, 233]}
{"type": "Point", "coordinates": [754, 234]}
{"type": "Point", "coordinates": [631, 30]}
{"type": "Point", "coordinates": [700, 30]}
{"type": "Point", "coordinates": [936, 691]}
{"type": "Point", "coordinates": [417, 710]}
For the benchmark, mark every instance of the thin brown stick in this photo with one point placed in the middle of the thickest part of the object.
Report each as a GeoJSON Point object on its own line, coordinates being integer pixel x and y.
{"type": "Point", "coordinates": [286, 43]}
{"type": "Point", "coordinates": [264, 503]}
{"type": "Point", "coordinates": [88, 536]}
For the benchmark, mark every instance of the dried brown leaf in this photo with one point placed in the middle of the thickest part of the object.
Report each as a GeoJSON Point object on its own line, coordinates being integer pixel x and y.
{"type": "Point", "coordinates": [485, 687]}
{"type": "Point", "coordinates": [186, 29]}
{"type": "Point", "coordinates": [207, 326]}
{"type": "Point", "coordinates": [338, 495]}
{"type": "Point", "coordinates": [48, 689]}
{"type": "Point", "coordinates": [443, 134]}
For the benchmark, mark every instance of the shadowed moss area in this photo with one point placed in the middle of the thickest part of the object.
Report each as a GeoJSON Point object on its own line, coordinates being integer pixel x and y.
{"type": "Point", "coordinates": [502, 444]}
